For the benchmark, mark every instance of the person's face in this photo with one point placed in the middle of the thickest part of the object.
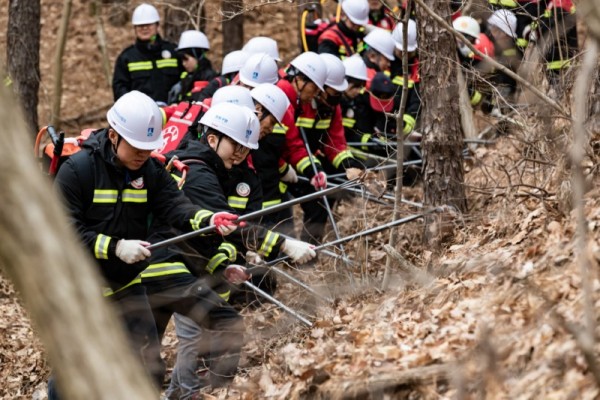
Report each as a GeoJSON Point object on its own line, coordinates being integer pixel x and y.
{"type": "Point", "coordinates": [231, 152]}
{"type": "Point", "coordinates": [146, 32]}
{"type": "Point", "coordinates": [354, 89]}
{"type": "Point", "coordinates": [307, 90]}
{"type": "Point", "coordinates": [499, 35]}
{"type": "Point", "coordinates": [190, 63]}
{"type": "Point", "coordinates": [374, 5]}
{"type": "Point", "coordinates": [266, 119]}
{"type": "Point", "coordinates": [131, 158]}
{"type": "Point", "coordinates": [351, 25]}
{"type": "Point", "coordinates": [330, 97]}
{"type": "Point", "coordinates": [382, 63]}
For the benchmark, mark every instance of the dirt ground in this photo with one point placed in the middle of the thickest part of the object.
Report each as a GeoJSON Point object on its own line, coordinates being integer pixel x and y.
{"type": "Point", "coordinates": [491, 315]}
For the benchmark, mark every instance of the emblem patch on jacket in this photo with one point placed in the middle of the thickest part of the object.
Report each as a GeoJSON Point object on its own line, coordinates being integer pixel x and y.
{"type": "Point", "coordinates": [165, 54]}
{"type": "Point", "coordinates": [243, 189]}
{"type": "Point", "coordinates": [138, 183]}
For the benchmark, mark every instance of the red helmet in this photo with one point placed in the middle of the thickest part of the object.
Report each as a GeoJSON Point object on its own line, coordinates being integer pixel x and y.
{"type": "Point", "coordinates": [484, 45]}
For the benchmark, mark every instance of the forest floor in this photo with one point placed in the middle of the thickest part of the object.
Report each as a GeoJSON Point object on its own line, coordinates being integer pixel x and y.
{"type": "Point", "coordinates": [491, 314]}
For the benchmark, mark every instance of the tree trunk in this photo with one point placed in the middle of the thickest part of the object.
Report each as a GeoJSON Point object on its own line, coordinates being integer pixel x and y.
{"type": "Point", "coordinates": [443, 172]}
{"type": "Point", "coordinates": [182, 15]}
{"type": "Point", "coordinates": [61, 41]}
{"type": "Point", "coordinates": [233, 25]}
{"type": "Point", "coordinates": [23, 56]}
{"type": "Point", "coordinates": [57, 279]}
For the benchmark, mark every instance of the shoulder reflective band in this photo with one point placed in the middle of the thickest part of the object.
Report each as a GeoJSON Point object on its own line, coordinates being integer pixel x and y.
{"type": "Point", "coordinates": [167, 63]}
{"type": "Point", "coordinates": [305, 122]}
{"type": "Point", "coordinates": [267, 246]}
{"type": "Point", "coordinates": [199, 218]}
{"type": "Point", "coordinates": [139, 66]}
{"type": "Point", "coordinates": [341, 156]}
{"type": "Point", "coordinates": [164, 269]}
{"type": "Point", "coordinates": [280, 129]}
{"type": "Point", "coordinates": [101, 246]}
{"type": "Point", "coordinates": [103, 196]}
{"type": "Point", "coordinates": [135, 196]}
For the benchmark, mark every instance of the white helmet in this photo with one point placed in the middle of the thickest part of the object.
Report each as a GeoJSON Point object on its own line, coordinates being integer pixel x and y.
{"type": "Point", "coordinates": [262, 44]}
{"type": "Point", "coordinates": [193, 40]}
{"type": "Point", "coordinates": [235, 122]}
{"type": "Point", "coordinates": [259, 68]}
{"type": "Point", "coordinates": [336, 72]}
{"type": "Point", "coordinates": [311, 65]}
{"type": "Point", "coordinates": [233, 62]}
{"type": "Point", "coordinates": [412, 36]}
{"type": "Point", "coordinates": [504, 20]}
{"type": "Point", "coordinates": [145, 14]}
{"type": "Point", "coordinates": [357, 11]}
{"type": "Point", "coordinates": [381, 40]}
{"type": "Point", "coordinates": [355, 67]}
{"type": "Point", "coordinates": [467, 25]}
{"type": "Point", "coordinates": [272, 98]}
{"type": "Point", "coordinates": [233, 94]}
{"type": "Point", "coordinates": [138, 120]}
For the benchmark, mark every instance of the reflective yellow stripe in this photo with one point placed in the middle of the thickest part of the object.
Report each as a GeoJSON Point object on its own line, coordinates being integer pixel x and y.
{"type": "Point", "coordinates": [215, 261]}
{"type": "Point", "coordinates": [282, 187]}
{"type": "Point", "coordinates": [268, 243]}
{"type": "Point", "coordinates": [399, 80]}
{"type": "Point", "coordinates": [229, 250]}
{"type": "Point", "coordinates": [163, 269]}
{"type": "Point", "coordinates": [270, 203]}
{"type": "Point", "coordinates": [177, 179]}
{"type": "Point", "coordinates": [364, 139]}
{"type": "Point", "coordinates": [280, 129]}
{"type": "Point", "coordinates": [135, 196]}
{"type": "Point", "coordinates": [225, 296]}
{"type": "Point", "coordinates": [237, 202]}
{"type": "Point", "coordinates": [305, 122]}
{"type": "Point", "coordinates": [323, 123]}
{"type": "Point", "coordinates": [358, 153]}
{"type": "Point", "coordinates": [560, 64]}
{"type": "Point", "coordinates": [304, 163]}
{"type": "Point", "coordinates": [283, 168]}
{"type": "Point", "coordinates": [164, 116]}
{"type": "Point", "coordinates": [348, 122]}
{"type": "Point", "coordinates": [199, 218]}
{"type": "Point", "coordinates": [342, 155]}
{"type": "Point", "coordinates": [109, 292]}
{"type": "Point", "coordinates": [105, 196]}
{"type": "Point", "coordinates": [522, 42]}
{"type": "Point", "coordinates": [476, 98]}
{"type": "Point", "coordinates": [101, 246]}
{"type": "Point", "coordinates": [167, 63]}
{"type": "Point", "coordinates": [409, 123]}
{"type": "Point", "coordinates": [509, 52]}
{"type": "Point", "coordinates": [507, 3]}
{"type": "Point", "coordinates": [139, 66]}
{"type": "Point", "coordinates": [7, 81]}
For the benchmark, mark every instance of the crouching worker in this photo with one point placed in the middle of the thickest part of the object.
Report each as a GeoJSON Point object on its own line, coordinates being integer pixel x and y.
{"type": "Point", "coordinates": [110, 189]}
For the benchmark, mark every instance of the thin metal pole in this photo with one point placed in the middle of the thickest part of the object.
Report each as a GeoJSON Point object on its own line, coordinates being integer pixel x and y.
{"type": "Point", "coordinates": [278, 304]}
{"type": "Point", "coordinates": [380, 168]}
{"type": "Point", "coordinates": [255, 214]}
{"type": "Point", "coordinates": [300, 283]}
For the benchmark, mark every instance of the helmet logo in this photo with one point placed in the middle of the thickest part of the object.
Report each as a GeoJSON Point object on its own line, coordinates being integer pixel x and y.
{"type": "Point", "coordinates": [248, 133]}
{"type": "Point", "coordinates": [255, 75]}
{"type": "Point", "coordinates": [150, 132]}
{"type": "Point", "coordinates": [243, 189]}
{"type": "Point", "coordinates": [222, 119]}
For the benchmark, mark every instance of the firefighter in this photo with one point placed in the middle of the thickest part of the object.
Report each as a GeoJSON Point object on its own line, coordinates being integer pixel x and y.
{"type": "Point", "coordinates": [380, 15]}
{"type": "Point", "coordinates": [232, 63]}
{"type": "Point", "coordinates": [321, 130]}
{"type": "Point", "coordinates": [150, 65]}
{"type": "Point", "coordinates": [356, 75]}
{"type": "Point", "coordinates": [110, 189]}
{"type": "Point", "coordinates": [343, 38]}
{"type": "Point", "coordinates": [229, 133]}
{"type": "Point", "coordinates": [258, 68]}
{"type": "Point", "coordinates": [262, 44]}
{"type": "Point", "coordinates": [526, 12]}
{"type": "Point", "coordinates": [192, 49]}
{"type": "Point", "coordinates": [378, 53]}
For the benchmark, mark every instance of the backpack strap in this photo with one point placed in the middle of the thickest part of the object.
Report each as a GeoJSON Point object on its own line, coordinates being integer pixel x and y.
{"type": "Point", "coordinates": [349, 50]}
{"type": "Point", "coordinates": [84, 168]}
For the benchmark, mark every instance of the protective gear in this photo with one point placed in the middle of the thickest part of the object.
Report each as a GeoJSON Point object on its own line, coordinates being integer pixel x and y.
{"type": "Point", "coordinates": [311, 65]}
{"type": "Point", "coordinates": [357, 11]}
{"type": "Point", "coordinates": [319, 181]}
{"type": "Point", "coordinates": [145, 14]}
{"type": "Point", "coordinates": [254, 258]}
{"type": "Point", "coordinates": [298, 251]}
{"type": "Point", "coordinates": [259, 68]}
{"type": "Point", "coordinates": [272, 98]}
{"type": "Point", "coordinates": [138, 120]}
{"type": "Point", "coordinates": [235, 122]}
{"type": "Point", "coordinates": [397, 35]}
{"type": "Point", "coordinates": [233, 94]}
{"type": "Point", "coordinates": [262, 44]}
{"type": "Point", "coordinates": [193, 40]}
{"type": "Point", "coordinates": [504, 20]}
{"type": "Point", "coordinates": [290, 176]}
{"type": "Point", "coordinates": [224, 222]}
{"type": "Point", "coordinates": [233, 62]}
{"type": "Point", "coordinates": [236, 274]}
{"type": "Point", "coordinates": [484, 45]}
{"type": "Point", "coordinates": [132, 251]}
{"type": "Point", "coordinates": [355, 67]}
{"type": "Point", "coordinates": [467, 26]}
{"type": "Point", "coordinates": [336, 72]}
{"type": "Point", "coordinates": [381, 41]}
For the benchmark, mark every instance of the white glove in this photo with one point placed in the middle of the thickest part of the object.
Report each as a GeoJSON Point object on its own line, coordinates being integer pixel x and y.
{"type": "Point", "coordinates": [298, 251]}
{"type": "Point", "coordinates": [132, 251]}
{"type": "Point", "coordinates": [254, 258]}
{"type": "Point", "coordinates": [290, 176]}
{"type": "Point", "coordinates": [236, 274]}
